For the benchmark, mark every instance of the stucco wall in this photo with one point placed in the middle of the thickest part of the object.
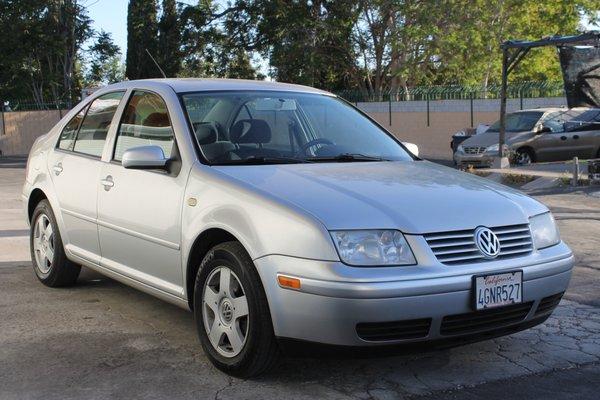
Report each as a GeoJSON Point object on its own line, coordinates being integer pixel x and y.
{"type": "Point", "coordinates": [18, 130]}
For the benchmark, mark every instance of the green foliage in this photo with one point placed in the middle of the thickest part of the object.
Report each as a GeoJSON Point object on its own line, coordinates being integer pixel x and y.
{"type": "Point", "coordinates": [142, 34]}
{"type": "Point", "coordinates": [40, 49]}
{"type": "Point", "coordinates": [169, 54]}
{"type": "Point", "coordinates": [105, 61]}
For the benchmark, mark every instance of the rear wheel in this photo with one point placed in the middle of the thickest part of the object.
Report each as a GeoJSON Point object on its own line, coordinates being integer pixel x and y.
{"type": "Point", "coordinates": [50, 263]}
{"type": "Point", "coordinates": [232, 314]}
{"type": "Point", "coordinates": [524, 157]}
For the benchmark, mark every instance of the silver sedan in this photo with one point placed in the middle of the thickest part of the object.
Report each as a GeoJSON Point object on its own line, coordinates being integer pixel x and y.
{"type": "Point", "coordinates": [279, 215]}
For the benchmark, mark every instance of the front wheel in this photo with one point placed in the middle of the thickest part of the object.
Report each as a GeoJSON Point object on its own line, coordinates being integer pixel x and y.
{"type": "Point", "coordinates": [524, 157]}
{"type": "Point", "coordinates": [232, 314]}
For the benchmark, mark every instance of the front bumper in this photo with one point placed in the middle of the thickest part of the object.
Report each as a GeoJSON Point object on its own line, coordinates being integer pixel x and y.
{"type": "Point", "coordinates": [335, 298]}
{"type": "Point", "coordinates": [476, 160]}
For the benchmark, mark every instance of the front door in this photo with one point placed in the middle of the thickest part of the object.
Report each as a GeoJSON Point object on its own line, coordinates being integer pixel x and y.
{"type": "Point", "coordinates": [139, 211]}
{"type": "Point", "coordinates": [74, 166]}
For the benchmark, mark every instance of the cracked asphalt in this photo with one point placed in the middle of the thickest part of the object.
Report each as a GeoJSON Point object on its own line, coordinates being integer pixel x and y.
{"type": "Point", "coordinates": [102, 339]}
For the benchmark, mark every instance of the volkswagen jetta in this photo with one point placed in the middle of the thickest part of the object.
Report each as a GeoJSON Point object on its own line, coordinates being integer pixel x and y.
{"type": "Point", "coordinates": [280, 213]}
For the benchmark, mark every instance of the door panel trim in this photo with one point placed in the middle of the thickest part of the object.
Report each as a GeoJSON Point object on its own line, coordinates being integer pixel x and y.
{"type": "Point", "coordinates": [78, 215]}
{"type": "Point", "coordinates": [162, 242]}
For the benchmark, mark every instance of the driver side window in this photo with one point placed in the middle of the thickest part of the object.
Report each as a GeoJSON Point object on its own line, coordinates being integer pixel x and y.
{"type": "Point", "coordinates": [555, 125]}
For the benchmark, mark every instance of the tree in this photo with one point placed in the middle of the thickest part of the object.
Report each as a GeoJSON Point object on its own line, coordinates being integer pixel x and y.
{"type": "Point", "coordinates": [41, 49]}
{"type": "Point", "coordinates": [142, 33]}
{"type": "Point", "coordinates": [169, 39]}
{"type": "Point", "coordinates": [105, 61]}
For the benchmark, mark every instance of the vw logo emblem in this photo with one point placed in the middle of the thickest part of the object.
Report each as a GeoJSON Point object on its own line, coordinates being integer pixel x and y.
{"type": "Point", "coordinates": [487, 242]}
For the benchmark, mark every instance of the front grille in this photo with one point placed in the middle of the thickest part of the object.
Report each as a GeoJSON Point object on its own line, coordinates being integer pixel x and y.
{"type": "Point", "coordinates": [458, 247]}
{"type": "Point", "coordinates": [548, 304]}
{"type": "Point", "coordinates": [474, 150]}
{"type": "Point", "coordinates": [480, 321]}
{"type": "Point", "coordinates": [396, 330]}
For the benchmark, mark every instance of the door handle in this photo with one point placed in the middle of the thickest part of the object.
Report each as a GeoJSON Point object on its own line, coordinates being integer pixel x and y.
{"type": "Point", "coordinates": [107, 183]}
{"type": "Point", "coordinates": [575, 136]}
{"type": "Point", "coordinates": [58, 168]}
{"type": "Point", "coordinates": [563, 138]}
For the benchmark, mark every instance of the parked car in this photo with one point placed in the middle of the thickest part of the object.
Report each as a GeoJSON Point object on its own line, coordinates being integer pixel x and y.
{"type": "Point", "coordinates": [280, 214]}
{"type": "Point", "coordinates": [548, 134]}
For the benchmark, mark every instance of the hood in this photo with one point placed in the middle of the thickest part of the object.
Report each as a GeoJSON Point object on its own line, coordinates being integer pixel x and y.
{"type": "Point", "coordinates": [412, 196]}
{"type": "Point", "coordinates": [488, 138]}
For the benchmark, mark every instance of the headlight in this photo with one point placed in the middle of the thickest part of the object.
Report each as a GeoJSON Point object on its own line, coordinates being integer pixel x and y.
{"type": "Point", "coordinates": [460, 149]}
{"type": "Point", "coordinates": [544, 230]}
{"type": "Point", "coordinates": [373, 248]}
{"type": "Point", "coordinates": [492, 149]}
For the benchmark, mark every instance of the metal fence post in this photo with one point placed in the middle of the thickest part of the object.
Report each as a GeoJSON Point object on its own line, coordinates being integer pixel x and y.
{"type": "Point", "coordinates": [390, 107]}
{"type": "Point", "coordinates": [427, 101]}
{"type": "Point", "coordinates": [3, 122]}
{"type": "Point", "coordinates": [521, 97]}
{"type": "Point", "coordinates": [471, 101]}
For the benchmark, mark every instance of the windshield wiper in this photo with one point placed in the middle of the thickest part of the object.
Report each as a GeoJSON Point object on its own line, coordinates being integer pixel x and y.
{"type": "Point", "coordinates": [346, 157]}
{"type": "Point", "coordinates": [258, 160]}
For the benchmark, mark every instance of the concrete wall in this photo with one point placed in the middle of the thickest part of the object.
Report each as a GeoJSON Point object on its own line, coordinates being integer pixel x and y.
{"type": "Point", "coordinates": [409, 119]}
{"type": "Point", "coordinates": [409, 122]}
{"type": "Point", "coordinates": [18, 130]}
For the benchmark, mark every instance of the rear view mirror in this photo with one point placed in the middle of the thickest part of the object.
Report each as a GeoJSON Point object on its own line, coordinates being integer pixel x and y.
{"type": "Point", "coordinates": [144, 157]}
{"type": "Point", "coordinates": [413, 148]}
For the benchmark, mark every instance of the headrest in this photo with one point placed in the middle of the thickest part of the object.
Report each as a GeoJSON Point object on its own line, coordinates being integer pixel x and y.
{"type": "Point", "coordinates": [206, 133]}
{"type": "Point", "coordinates": [157, 119]}
{"type": "Point", "coordinates": [250, 131]}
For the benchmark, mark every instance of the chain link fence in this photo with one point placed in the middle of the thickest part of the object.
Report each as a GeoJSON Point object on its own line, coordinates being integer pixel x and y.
{"type": "Point", "coordinates": [456, 92]}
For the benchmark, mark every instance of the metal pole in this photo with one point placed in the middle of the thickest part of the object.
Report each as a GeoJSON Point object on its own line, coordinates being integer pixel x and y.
{"type": "Point", "coordinates": [502, 135]}
{"type": "Point", "coordinates": [521, 97]}
{"type": "Point", "coordinates": [390, 107]}
{"type": "Point", "coordinates": [427, 97]}
{"type": "Point", "coordinates": [471, 99]}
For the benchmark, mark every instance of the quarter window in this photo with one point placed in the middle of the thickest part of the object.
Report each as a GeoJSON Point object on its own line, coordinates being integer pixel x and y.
{"type": "Point", "coordinates": [145, 122]}
{"type": "Point", "coordinates": [95, 125]}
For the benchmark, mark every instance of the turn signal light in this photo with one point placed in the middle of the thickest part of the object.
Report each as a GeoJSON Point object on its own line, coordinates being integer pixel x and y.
{"type": "Point", "coordinates": [288, 282]}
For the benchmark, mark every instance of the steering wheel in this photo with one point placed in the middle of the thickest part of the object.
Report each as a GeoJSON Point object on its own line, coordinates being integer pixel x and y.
{"type": "Point", "coordinates": [312, 143]}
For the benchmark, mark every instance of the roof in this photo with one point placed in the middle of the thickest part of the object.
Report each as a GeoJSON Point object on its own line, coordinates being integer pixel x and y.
{"type": "Point", "coordinates": [180, 85]}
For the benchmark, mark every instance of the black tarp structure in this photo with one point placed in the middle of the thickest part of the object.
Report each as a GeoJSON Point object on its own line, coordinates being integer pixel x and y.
{"type": "Point", "coordinates": [581, 74]}
{"type": "Point", "coordinates": [580, 63]}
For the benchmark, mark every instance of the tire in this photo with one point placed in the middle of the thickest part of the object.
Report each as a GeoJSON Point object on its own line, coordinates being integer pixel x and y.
{"type": "Point", "coordinates": [50, 263]}
{"type": "Point", "coordinates": [218, 311]}
{"type": "Point", "coordinates": [524, 157]}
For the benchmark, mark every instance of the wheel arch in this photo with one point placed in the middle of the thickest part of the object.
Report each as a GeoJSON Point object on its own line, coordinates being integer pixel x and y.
{"type": "Point", "coordinates": [35, 197]}
{"type": "Point", "coordinates": [205, 241]}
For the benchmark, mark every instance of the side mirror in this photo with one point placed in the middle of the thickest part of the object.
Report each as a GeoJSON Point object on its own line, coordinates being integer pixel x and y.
{"type": "Point", "coordinates": [543, 129]}
{"type": "Point", "coordinates": [144, 157]}
{"type": "Point", "coordinates": [413, 148]}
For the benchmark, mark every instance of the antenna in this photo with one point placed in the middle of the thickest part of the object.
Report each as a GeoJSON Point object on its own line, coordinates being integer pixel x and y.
{"type": "Point", "coordinates": [157, 66]}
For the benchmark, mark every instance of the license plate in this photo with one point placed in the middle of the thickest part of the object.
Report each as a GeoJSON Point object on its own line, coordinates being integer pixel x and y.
{"type": "Point", "coordinates": [498, 290]}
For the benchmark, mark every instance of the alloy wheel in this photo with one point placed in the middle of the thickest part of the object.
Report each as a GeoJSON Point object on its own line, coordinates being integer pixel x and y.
{"type": "Point", "coordinates": [225, 312]}
{"type": "Point", "coordinates": [524, 158]}
{"type": "Point", "coordinates": [43, 243]}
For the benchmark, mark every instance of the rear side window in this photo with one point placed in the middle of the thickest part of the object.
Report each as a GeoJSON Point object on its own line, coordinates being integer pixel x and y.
{"type": "Point", "coordinates": [94, 128]}
{"type": "Point", "coordinates": [145, 122]}
{"type": "Point", "coordinates": [69, 132]}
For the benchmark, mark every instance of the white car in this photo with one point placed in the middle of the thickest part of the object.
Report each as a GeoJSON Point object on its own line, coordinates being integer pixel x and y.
{"type": "Point", "coordinates": [279, 214]}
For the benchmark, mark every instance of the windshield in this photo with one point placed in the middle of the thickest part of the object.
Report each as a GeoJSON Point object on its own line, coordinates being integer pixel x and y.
{"type": "Point", "coordinates": [282, 127]}
{"type": "Point", "coordinates": [518, 122]}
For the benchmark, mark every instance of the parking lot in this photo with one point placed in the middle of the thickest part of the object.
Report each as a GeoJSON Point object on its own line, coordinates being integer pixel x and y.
{"type": "Point", "coordinates": [102, 339]}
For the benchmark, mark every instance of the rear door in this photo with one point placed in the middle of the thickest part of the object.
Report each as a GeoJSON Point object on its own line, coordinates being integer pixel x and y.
{"type": "Point", "coordinates": [139, 211]}
{"type": "Point", "coordinates": [75, 169]}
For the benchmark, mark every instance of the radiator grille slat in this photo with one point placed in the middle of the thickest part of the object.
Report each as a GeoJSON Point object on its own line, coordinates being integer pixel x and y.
{"type": "Point", "coordinates": [474, 149]}
{"type": "Point", "coordinates": [458, 247]}
{"type": "Point", "coordinates": [395, 330]}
